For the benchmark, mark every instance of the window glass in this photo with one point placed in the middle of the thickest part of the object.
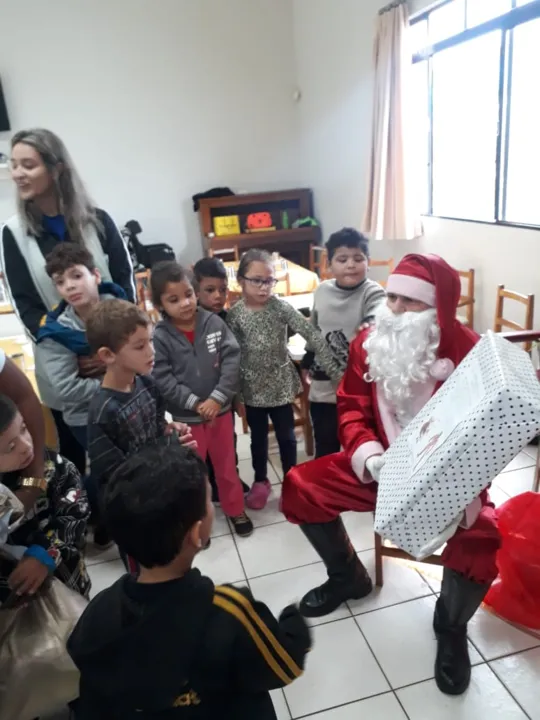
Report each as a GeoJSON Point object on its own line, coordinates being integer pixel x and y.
{"type": "Point", "coordinates": [522, 204]}
{"type": "Point", "coordinates": [419, 113]}
{"type": "Point", "coordinates": [418, 36]}
{"type": "Point", "coordinates": [480, 11]}
{"type": "Point", "coordinates": [446, 21]}
{"type": "Point", "coordinates": [465, 121]}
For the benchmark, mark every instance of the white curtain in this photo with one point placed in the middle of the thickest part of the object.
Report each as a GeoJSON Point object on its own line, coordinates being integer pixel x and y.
{"type": "Point", "coordinates": [392, 209]}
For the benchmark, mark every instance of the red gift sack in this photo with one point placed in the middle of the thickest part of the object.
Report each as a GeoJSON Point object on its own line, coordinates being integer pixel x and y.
{"type": "Point", "coordinates": [515, 595]}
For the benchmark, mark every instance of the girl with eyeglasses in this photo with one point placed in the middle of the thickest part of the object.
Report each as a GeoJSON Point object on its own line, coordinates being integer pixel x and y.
{"type": "Point", "coordinates": [269, 381]}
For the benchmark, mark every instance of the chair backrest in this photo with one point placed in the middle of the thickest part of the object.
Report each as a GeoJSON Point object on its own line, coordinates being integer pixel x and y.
{"type": "Point", "coordinates": [233, 297]}
{"type": "Point", "coordinates": [318, 262]}
{"type": "Point", "coordinates": [224, 254]}
{"type": "Point", "coordinates": [284, 283]}
{"type": "Point", "coordinates": [144, 296]}
{"type": "Point", "coordinates": [501, 322]}
{"type": "Point", "coordinates": [51, 435]}
{"type": "Point", "coordinates": [388, 264]}
{"type": "Point", "coordinates": [467, 299]}
{"type": "Point", "coordinates": [142, 287]}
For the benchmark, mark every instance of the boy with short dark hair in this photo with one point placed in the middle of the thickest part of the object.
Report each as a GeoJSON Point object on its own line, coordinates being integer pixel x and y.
{"type": "Point", "coordinates": [128, 411]}
{"type": "Point", "coordinates": [62, 348]}
{"type": "Point", "coordinates": [170, 642]}
{"type": "Point", "coordinates": [211, 285]}
{"type": "Point", "coordinates": [340, 306]}
{"type": "Point", "coordinates": [48, 539]}
{"type": "Point", "coordinates": [61, 339]}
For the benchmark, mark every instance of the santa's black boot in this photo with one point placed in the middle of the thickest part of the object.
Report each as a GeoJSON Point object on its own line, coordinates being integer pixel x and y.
{"type": "Point", "coordinates": [347, 577]}
{"type": "Point", "coordinates": [460, 598]}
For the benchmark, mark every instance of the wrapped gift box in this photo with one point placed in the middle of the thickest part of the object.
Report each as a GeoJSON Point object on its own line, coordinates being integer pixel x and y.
{"type": "Point", "coordinates": [479, 420]}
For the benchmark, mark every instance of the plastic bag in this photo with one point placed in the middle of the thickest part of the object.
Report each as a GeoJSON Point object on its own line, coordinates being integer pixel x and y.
{"type": "Point", "coordinates": [515, 595]}
{"type": "Point", "coordinates": [37, 676]}
{"type": "Point", "coordinates": [11, 512]}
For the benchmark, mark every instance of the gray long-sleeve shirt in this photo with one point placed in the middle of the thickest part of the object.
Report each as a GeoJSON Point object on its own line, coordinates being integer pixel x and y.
{"type": "Point", "coordinates": [58, 366]}
{"type": "Point", "coordinates": [187, 373]}
{"type": "Point", "coordinates": [338, 313]}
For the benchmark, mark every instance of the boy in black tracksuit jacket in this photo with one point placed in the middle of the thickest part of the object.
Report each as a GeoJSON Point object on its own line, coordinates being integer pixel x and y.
{"type": "Point", "coordinates": [169, 643]}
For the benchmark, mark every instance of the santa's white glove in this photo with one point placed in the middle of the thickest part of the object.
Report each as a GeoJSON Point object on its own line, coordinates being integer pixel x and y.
{"type": "Point", "coordinates": [374, 465]}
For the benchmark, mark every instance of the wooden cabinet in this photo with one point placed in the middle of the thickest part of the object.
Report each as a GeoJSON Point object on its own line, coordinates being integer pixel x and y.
{"type": "Point", "coordinates": [284, 207]}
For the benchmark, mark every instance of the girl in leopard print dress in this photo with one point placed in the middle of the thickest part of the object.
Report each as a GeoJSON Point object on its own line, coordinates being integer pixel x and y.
{"type": "Point", "coordinates": [269, 381]}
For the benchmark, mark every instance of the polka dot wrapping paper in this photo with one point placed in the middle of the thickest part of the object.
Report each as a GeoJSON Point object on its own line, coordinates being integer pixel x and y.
{"type": "Point", "coordinates": [479, 420]}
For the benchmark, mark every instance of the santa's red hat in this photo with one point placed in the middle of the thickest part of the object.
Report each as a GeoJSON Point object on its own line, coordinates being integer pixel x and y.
{"type": "Point", "coordinates": [431, 280]}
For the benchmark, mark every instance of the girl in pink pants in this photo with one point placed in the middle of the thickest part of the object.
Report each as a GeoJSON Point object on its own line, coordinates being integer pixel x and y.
{"type": "Point", "coordinates": [196, 368]}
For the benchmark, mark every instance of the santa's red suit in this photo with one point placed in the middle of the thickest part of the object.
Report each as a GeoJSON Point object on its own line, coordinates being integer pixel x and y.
{"type": "Point", "coordinates": [317, 492]}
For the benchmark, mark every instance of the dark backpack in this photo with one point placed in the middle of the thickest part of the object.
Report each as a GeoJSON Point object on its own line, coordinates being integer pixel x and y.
{"type": "Point", "coordinates": [144, 256]}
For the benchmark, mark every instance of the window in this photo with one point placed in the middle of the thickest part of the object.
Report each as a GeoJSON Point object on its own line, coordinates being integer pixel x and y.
{"type": "Point", "coordinates": [477, 110]}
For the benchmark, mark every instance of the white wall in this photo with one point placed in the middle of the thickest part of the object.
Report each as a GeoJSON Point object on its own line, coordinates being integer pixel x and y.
{"type": "Point", "coordinates": [333, 44]}
{"type": "Point", "coordinates": [156, 100]}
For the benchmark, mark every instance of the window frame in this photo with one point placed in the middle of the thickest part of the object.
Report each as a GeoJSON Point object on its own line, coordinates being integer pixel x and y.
{"type": "Point", "coordinates": [505, 23]}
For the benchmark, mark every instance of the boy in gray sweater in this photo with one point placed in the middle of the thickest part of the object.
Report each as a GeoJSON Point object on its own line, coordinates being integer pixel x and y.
{"type": "Point", "coordinates": [340, 306]}
{"type": "Point", "coordinates": [63, 356]}
{"type": "Point", "coordinates": [196, 369]}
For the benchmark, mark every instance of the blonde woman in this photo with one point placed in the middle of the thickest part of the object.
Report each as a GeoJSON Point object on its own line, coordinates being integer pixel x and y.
{"type": "Point", "coordinates": [53, 206]}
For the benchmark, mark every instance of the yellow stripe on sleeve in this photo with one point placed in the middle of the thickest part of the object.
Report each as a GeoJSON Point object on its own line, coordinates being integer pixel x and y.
{"type": "Point", "coordinates": [277, 646]}
{"type": "Point", "coordinates": [234, 610]}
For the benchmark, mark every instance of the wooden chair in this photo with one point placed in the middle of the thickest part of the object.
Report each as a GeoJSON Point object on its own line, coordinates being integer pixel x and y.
{"type": "Point", "coordinates": [501, 322]}
{"type": "Point", "coordinates": [225, 254]}
{"type": "Point", "coordinates": [51, 436]}
{"type": "Point", "coordinates": [382, 550]}
{"type": "Point", "coordinates": [233, 297]}
{"type": "Point", "coordinates": [241, 409]}
{"type": "Point", "coordinates": [389, 264]}
{"type": "Point", "coordinates": [144, 299]}
{"type": "Point", "coordinates": [302, 418]}
{"type": "Point", "coordinates": [466, 300]}
{"type": "Point", "coordinates": [318, 262]}
{"type": "Point", "coordinates": [283, 277]}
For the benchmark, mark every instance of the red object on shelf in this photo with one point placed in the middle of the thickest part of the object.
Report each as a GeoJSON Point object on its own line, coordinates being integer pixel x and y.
{"type": "Point", "coordinates": [259, 221]}
{"type": "Point", "coordinates": [515, 595]}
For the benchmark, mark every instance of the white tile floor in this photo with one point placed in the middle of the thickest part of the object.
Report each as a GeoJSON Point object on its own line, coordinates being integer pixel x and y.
{"type": "Point", "coordinates": [372, 658]}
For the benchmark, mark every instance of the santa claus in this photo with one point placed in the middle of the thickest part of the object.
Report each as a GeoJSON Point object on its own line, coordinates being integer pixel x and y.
{"type": "Point", "coordinates": [393, 369]}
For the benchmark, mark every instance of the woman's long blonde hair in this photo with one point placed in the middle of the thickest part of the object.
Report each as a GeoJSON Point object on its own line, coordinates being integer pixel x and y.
{"type": "Point", "coordinates": [73, 201]}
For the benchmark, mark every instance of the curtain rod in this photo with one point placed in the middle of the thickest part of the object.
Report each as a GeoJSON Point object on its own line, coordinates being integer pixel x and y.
{"type": "Point", "coordinates": [392, 6]}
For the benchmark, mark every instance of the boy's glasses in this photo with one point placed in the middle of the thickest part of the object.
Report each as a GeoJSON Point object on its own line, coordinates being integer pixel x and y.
{"type": "Point", "coordinates": [259, 283]}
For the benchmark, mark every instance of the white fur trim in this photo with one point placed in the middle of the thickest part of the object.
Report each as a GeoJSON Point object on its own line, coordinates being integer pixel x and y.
{"type": "Point", "coordinates": [411, 287]}
{"type": "Point", "coordinates": [472, 511]}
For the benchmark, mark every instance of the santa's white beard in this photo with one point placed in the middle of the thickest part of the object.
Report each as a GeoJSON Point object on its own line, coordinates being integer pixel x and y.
{"type": "Point", "coordinates": [401, 350]}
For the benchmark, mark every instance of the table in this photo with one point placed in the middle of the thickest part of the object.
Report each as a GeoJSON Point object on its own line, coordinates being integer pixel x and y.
{"type": "Point", "coordinates": [301, 281]}
{"type": "Point", "coordinates": [19, 349]}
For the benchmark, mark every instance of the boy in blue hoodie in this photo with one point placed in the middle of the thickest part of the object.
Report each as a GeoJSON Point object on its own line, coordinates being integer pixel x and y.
{"type": "Point", "coordinates": [62, 349]}
{"type": "Point", "coordinates": [61, 339]}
